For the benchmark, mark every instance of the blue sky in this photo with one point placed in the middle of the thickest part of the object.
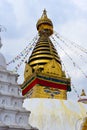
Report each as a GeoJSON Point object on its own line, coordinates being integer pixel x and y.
{"type": "Point", "coordinates": [69, 18]}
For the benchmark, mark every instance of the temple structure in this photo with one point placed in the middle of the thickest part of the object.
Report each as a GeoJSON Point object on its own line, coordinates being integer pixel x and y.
{"type": "Point", "coordinates": [12, 114]}
{"type": "Point", "coordinates": [46, 86]}
{"type": "Point", "coordinates": [44, 77]}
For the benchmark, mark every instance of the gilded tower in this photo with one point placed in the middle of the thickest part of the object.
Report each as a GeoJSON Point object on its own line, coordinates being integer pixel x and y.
{"type": "Point", "coordinates": [43, 75]}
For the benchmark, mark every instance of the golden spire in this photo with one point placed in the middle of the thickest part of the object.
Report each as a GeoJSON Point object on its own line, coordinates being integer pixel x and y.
{"type": "Point", "coordinates": [44, 50]}
{"type": "Point", "coordinates": [44, 24]}
{"type": "Point", "coordinates": [44, 69]}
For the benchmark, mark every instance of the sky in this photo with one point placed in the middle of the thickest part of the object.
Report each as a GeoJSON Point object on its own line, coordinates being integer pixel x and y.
{"type": "Point", "coordinates": [69, 18]}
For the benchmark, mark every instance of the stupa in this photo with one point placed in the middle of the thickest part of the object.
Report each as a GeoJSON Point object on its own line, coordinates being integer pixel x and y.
{"type": "Point", "coordinates": [46, 86]}
{"type": "Point", "coordinates": [44, 77]}
{"type": "Point", "coordinates": [12, 114]}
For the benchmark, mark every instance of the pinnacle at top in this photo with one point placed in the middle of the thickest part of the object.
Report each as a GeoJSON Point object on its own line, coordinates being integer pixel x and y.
{"type": "Point", "coordinates": [44, 24]}
{"type": "Point", "coordinates": [44, 14]}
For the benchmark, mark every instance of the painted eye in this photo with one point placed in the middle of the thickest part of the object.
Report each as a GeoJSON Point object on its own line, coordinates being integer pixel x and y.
{"type": "Point", "coordinates": [57, 92]}
{"type": "Point", "coordinates": [47, 91]}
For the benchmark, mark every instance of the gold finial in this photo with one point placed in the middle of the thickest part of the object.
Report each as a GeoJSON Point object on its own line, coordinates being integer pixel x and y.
{"type": "Point", "coordinates": [44, 24]}
{"type": "Point", "coordinates": [44, 11]}
{"type": "Point", "coordinates": [44, 15]}
{"type": "Point", "coordinates": [83, 93]}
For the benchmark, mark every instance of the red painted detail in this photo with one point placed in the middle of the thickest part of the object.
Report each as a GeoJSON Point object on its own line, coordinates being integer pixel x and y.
{"type": "Point", "coordinates": [28, 87]}
{"type": "Point", "coordinates": [44, 83]}
{"type": "Point", "coordinates": [51, 84]}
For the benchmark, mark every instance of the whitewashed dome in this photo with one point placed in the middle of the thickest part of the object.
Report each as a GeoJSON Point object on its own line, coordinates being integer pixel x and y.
{"type": "Point", "coordinates": [2, 62]}
{"type": "Point", "coordinates": [54, 114]}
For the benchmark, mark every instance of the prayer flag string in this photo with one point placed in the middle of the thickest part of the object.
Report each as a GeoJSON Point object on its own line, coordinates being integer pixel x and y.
{"type": "Point", "coordinates": [72, 43]}
{"type": "Point", "coordinates": [70, 77]}
{"type": "Point", "coordinates": [74, 64]}
{"type": "Point", "coordinates": [22, 53]}
{"type": "Point", "coordinates": [24, 57]}
{"type": "Point", "coordinates": [70, 48]}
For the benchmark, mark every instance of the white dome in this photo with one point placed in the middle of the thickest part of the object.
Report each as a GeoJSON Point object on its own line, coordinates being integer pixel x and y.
{"type": "Point", "coordinates": [2, 62]}
{"type": "Point", "coordinates": [53, 114]}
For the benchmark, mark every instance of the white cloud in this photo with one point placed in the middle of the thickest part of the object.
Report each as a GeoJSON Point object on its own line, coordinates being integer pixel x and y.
{"type": "Point", "coordinates": [19, 8]}
{"type": "Point", "coordinates": [75, 30]}
{"type": "Point", "coordinates": [82, 4]}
